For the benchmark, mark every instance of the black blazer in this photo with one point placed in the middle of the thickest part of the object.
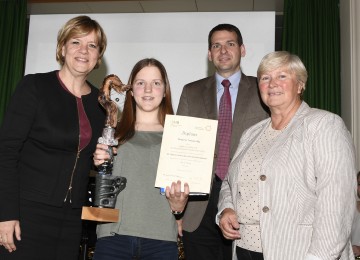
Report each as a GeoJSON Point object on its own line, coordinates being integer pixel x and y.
{"type": "Point", "coordinates": [39, 141]}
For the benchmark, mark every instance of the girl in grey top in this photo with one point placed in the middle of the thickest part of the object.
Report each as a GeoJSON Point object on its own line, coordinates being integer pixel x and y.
{"type": "Point", "coordinates": [147, 228]}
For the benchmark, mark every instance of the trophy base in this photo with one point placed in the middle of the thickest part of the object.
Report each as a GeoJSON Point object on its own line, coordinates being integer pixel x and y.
{"type": "Point", "coordinates": [100, 214]}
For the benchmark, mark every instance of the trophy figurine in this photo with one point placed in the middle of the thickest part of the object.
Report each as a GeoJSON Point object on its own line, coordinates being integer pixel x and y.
{"type": "Point", "coordinates": [107, 186]}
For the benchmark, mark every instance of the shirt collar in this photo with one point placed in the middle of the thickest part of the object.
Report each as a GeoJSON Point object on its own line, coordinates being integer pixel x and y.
{"type": "Point", "coordinates": [234, 80]}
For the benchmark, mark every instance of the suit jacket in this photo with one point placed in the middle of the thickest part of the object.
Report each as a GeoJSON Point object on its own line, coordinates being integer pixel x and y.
{"type": "Point", "coordinates": [198, 99]}
{"type": "Point", "coordinates": [307, 190]}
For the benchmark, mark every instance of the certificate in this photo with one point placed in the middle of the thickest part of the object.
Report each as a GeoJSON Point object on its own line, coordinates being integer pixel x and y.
{"type": "Point", "coordinates": [187, 153]}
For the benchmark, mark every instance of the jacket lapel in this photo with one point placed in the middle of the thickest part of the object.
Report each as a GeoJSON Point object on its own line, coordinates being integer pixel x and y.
{"type": "Point", "coordinates": [209, 98]}
{"type": "Point", "coordinates": [290, 131]}
{"type": "Point", "coordinates": [242, 103]}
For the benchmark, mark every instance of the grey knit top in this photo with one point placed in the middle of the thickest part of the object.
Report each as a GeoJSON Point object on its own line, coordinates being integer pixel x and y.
{"type": "Point", "coordinates": [144, 212]}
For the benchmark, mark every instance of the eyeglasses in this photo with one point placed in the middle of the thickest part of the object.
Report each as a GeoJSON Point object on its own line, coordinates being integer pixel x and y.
{"type": "Point", "coordinates": [157, 83]}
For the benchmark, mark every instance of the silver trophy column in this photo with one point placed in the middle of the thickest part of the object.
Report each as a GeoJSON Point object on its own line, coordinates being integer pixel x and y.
{"type": "Point", "coordinates": [107, 186]}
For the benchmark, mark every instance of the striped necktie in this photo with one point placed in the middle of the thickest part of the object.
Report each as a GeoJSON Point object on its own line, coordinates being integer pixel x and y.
{"type": "Point", "coordinates": [224, 132]}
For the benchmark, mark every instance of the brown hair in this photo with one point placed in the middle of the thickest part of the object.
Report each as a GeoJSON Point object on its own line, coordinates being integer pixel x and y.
{"type": "Point", "coordinates": [125, 129]}
{"type": "Point", "coordinates": [80, 26]}
{"type": "Point", "coordinates": [225, 27]}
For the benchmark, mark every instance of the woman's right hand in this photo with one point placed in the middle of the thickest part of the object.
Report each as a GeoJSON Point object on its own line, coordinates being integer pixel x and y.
{"type": "Point", "coordinates": [356, 250]}
{"type": "Point", "coordinates": [101, 154]}
{"type": "Point", "coordinates": [229, 224]}
{"type": "Point", "coordinates": [7, 231]}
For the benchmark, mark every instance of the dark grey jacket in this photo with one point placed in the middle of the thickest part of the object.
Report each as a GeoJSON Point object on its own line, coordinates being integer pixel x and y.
{"type": "Point", "coordinates": [198, 99]}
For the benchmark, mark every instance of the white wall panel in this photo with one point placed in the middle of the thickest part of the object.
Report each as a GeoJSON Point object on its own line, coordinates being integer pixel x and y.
{"type": "Point", "coordinates": [178, 40]}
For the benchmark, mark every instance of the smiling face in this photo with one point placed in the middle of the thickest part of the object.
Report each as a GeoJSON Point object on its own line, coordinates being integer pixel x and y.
{"type": "Point", "coordinates": [148, 89]}
{"type": "Point", "coordinates": [81, 54]}
{"type": "Point", "coordinates": [280, 88]}
{"type": "Point", "coordinates": [225, 52]}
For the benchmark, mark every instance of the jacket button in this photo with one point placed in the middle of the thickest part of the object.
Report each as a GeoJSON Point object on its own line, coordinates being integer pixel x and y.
{"type": "Point", "coordinates": [262, 177]}
{"type": "Point", "coordinates": [265, 209]}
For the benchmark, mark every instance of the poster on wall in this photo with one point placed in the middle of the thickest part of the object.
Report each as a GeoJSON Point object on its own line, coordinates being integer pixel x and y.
{"type": "Point", "coordinates": [178, 40]}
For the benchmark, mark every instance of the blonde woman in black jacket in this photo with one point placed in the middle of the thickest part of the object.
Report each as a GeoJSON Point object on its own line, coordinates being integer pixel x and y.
{"type": "Point", "coordinates": [46, 142]}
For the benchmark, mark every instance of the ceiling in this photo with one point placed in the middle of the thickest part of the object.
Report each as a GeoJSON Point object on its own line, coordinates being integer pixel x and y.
{"type": "Point", "coordinates": [151, 6]}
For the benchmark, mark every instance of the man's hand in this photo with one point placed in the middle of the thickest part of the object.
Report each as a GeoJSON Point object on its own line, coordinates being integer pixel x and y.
{"type": "Point", "coordinates": [7, 231]}
{"type": "Point", "coordinates": [229, 224]}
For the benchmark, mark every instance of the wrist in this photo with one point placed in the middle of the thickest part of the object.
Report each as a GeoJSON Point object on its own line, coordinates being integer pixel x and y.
{"type": "Point", "coordinates": [177, 214]}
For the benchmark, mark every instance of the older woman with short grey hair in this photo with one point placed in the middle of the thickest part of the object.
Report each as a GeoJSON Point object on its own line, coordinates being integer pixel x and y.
{"type": "Point", "coordinates": [290, 189]}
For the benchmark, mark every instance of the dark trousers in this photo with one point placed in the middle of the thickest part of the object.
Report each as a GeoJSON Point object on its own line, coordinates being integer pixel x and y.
{"type": "Point", "coordinates": [121, 247]}
{"type": "Point", "coordinates": [47, 233]}
{"type": "Point", "coordinates": [244, 254]}
{"type": "Point", "coordinates": [207, 241]}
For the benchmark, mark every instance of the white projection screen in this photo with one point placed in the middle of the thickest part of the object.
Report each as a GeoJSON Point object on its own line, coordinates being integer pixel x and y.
{"type": "Point", "coordinates": [178, 40]}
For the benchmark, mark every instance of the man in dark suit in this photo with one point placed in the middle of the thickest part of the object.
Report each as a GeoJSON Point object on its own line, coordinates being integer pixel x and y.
{"type": "Point", "coordinates": [202, 238]}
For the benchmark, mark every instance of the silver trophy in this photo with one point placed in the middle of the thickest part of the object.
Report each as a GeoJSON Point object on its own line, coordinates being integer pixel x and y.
{"type": "Point", "coordinates": [107, 186]}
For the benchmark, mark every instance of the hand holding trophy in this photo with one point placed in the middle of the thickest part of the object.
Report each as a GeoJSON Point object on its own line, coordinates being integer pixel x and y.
{"type": "Point", "coordinates": [107, 186]}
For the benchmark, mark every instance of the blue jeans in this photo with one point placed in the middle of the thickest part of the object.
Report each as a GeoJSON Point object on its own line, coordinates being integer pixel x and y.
{"type": "Point", "coordinates": [121, 247]}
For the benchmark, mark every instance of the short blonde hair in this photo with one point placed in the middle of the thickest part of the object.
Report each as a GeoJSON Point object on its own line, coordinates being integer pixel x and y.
{"type": "Point", "coordinates": [80, 26]}
{"type": "Point", "coordinates": [278, 59]}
